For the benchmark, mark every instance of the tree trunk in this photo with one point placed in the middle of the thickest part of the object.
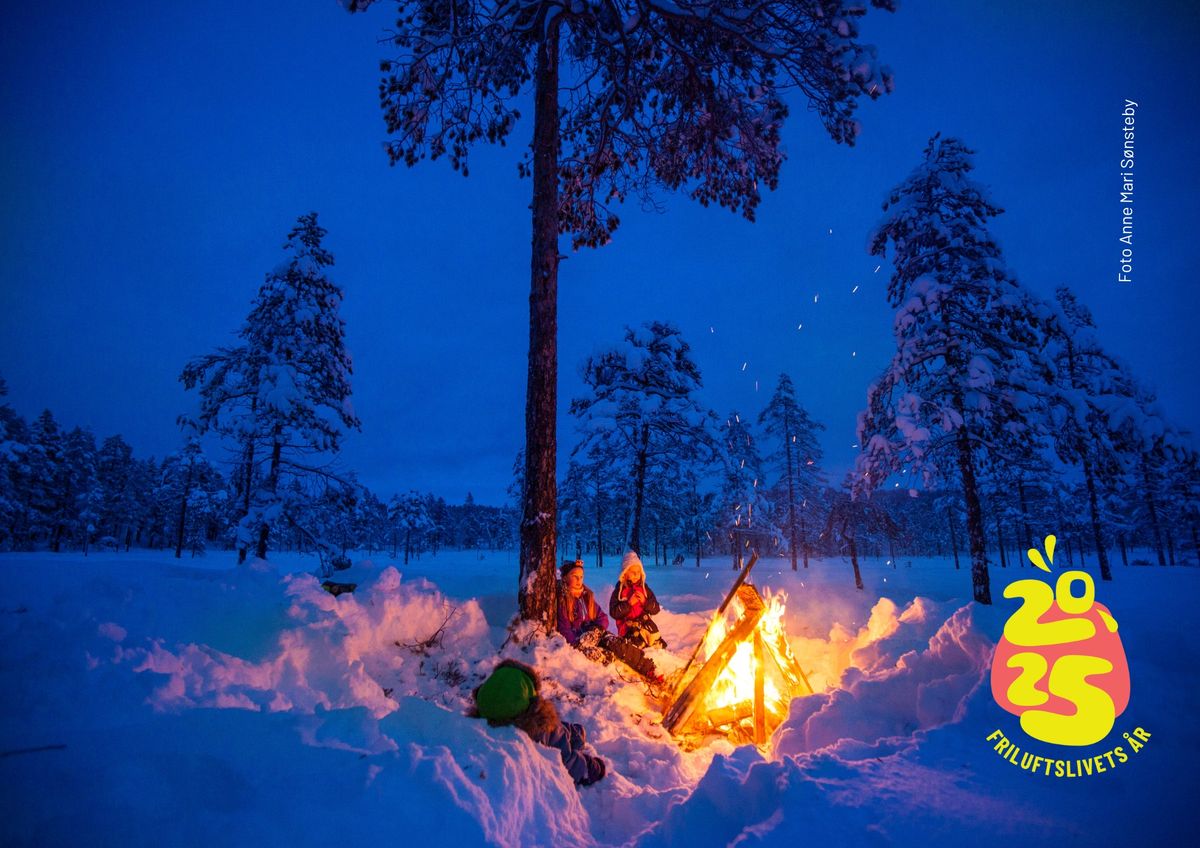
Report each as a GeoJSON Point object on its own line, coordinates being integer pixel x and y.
{"type": "Point", "coordinates": [953, 537]}
{"type": "Point", "coordinates": [1025, 516]}
{"type": "Point", "coordinates": [1153, 509]}
{"type": "Point", "coordinates": [1097, 533]}
{"type": "Point", "coordinates": [639, 490]}
{"type": "Point", "coordinates": [980, 580]}
{"type": "Point", "coordinates": [536, 594]}
{"type": "Point", "coordinates": [247, 482]}
{"type": "Point", "coordinates": [854, 562]}
{"type": "Point", "coordinates": [599, 527]}
{"type": "Point", "coordinates": [1000, 541]}
{"type": "Point", "coordinates": [1124, 551]}
{"type": "Point", "coordinates": [787, 445]}
{"type": "Point", "coordinates": [272, 489]}
{"type": "Point", "coordinates": [187, 488]}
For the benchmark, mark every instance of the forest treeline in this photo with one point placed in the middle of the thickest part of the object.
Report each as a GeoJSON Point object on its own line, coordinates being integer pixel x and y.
{"type": "Point", "coordinates": [1001, 418]}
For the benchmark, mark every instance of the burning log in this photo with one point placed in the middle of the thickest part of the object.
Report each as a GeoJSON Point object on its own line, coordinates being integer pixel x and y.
{"type": "Point", "coordinates": [787, 664]}
{"type": "Point", "coordinates": [737, 692]}
{"type": "Point", "coordinates": [734, 714]}
{"type": "Point", "coordinates": [693, 694]}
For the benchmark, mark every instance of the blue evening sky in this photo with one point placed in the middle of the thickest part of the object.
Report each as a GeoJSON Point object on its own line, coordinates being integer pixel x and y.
{"type": "Point", "coordinates": [154, 156]}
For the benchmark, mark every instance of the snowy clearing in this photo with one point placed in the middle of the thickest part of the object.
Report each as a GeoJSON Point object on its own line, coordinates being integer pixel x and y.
{"type": "Point", "coordinates": [153, 701]}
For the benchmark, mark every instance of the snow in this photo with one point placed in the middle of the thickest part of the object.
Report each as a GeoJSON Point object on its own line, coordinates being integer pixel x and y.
{"type": "Point", "coordinates": [156, 701]}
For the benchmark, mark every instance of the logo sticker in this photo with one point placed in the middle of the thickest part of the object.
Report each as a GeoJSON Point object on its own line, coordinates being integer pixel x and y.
{"type": "Point", "coordinates": [1061, 669]}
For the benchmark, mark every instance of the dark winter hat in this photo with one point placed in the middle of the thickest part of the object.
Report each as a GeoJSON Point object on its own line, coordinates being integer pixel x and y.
{"type": "Point", "coordinates": [505, 695]}
{"type": "Point", "coordinates": [570, 565]}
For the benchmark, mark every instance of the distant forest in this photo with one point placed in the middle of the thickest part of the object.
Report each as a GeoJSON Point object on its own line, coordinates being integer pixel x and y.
{"type": "Point", "coordinates": [1000, 419]}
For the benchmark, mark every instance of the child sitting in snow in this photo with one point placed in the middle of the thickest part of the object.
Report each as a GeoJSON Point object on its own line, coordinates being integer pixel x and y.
{"type": "Point", "coordinates": [510, 696]}
{"type": "Point", "coordinates": [584, 625]}
{"type": "Point", "coordinates": [632, 603]}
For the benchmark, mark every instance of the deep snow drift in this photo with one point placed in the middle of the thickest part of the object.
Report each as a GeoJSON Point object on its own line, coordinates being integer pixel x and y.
{"type": "Point", "coordinates": [151, 701]}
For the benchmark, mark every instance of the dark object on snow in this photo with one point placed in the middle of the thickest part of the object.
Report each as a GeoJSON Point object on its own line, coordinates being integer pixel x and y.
{"type": "Point", "coordinates": [334, 588]}
{"type": "Point", "coordinates": [513, 684]}
{"type": "Point", "coordinates": [603, 647]}
{"type": "Point", "coordinates": [341, 562]}
{"type": "Point", "coordinates": [15, 751]}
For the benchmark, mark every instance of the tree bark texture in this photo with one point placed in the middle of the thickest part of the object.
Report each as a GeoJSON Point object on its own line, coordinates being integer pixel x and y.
{"type": "Point", "coordinates": [537, 591]}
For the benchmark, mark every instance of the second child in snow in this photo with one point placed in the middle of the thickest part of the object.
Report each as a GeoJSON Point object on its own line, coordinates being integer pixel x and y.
{"type": "Point", "coordinates": [632, 604]}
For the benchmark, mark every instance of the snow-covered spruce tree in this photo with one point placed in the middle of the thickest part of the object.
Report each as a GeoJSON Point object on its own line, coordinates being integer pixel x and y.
{"type": "Point", "coordinates": [190, 491]}
{"type": "Point", "coordinates": [680, 94]}
{"type": "Point", "coordinates": [640, 413]}
{"type": "Point", "coordinates": [46, 479]}
{"type": "Point", "coordinates": [795, 456]}
{"type": "Point", "coordinates": [283, 393]}
{"type": "Point", "coordinates": [962, 374]}
{"type": "Point", "coordinates": [1095, 412]}
{"type": "Point", "coordinates": [575, 509]}
{"type": "Point", "coordinates": [700, 510]}
{"type": "Point", "coordinates": [13, 436]}
{"type": "Point", "coordinates": [81, 512]}
{"type": "Point", "coordinates": [666, 503]}
{"type": "Point", "coordinates": [114, 472]}
{"type": "Point", "coordinates": [228, 384]}
{"type": "Point", "coordinates": [410, 520]}
{"type": "Point", "coordinates": [743, 509]}
{"type": "Point", "coordinates": [298, 342]}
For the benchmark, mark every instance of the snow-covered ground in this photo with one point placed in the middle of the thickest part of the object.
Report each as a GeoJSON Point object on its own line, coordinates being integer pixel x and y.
{"type": "Point", "coordinates": [150, 701]}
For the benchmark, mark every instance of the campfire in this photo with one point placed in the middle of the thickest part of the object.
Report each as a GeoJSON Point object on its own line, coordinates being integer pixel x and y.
{"type": "Point", "coordinates": [748, 677]}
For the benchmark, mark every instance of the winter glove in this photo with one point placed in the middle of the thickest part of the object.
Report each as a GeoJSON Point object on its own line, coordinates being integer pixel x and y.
{"type": "Point", "coordinates": [595, 772]}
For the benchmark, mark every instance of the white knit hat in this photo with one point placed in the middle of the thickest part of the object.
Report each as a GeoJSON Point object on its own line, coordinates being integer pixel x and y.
{"type": "Point", "coordinates": [630, 560]}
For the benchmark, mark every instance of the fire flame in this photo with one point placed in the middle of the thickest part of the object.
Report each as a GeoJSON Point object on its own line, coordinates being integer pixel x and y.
{"type": "Point", "coordinates": [735, 685]}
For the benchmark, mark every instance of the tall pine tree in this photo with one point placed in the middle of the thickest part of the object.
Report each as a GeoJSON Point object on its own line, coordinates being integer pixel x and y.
{"type": "Point", "coordinates": [963, 374]}
{"type": "Point", "coordinates": [283, 394]}
{"type": "Point", "coordinates": [796, 456]}
{"type": "Point", "coordinates": [681, 94]}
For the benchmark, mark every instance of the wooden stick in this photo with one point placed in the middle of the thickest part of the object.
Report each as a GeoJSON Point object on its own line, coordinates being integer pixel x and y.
{"type": "Point", "coordinates": [788, 665]}
{"type": "Point", "coordinates": [760, 682]}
